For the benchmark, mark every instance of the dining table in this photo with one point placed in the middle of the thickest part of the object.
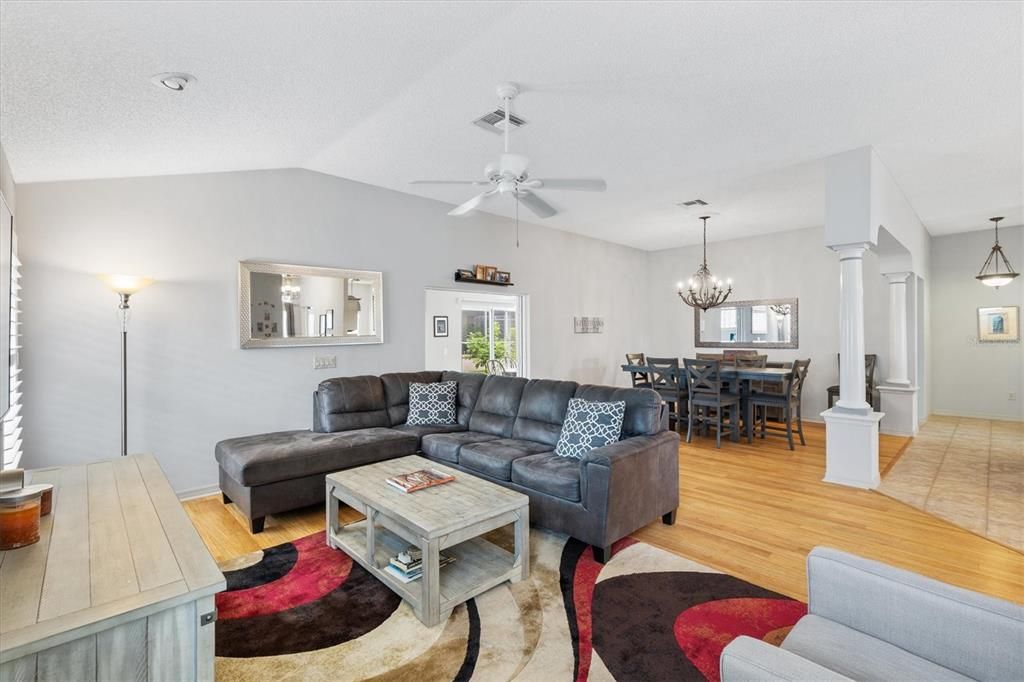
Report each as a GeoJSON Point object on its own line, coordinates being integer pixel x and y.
{"type": "Point", "coordinates": [739, 379]}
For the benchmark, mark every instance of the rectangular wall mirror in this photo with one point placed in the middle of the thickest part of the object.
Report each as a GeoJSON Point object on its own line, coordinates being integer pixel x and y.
{"type": "Point", "coordinates": [765, 323]}
{"type": "Point", "coordinates": [300, 305]}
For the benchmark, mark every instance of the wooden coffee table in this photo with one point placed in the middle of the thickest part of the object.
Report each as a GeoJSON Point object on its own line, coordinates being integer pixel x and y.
{"type": "Point", "coordinates": [450, 517]}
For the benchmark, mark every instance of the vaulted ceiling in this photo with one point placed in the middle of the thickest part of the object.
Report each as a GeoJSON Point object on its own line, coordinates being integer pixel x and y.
{"type": "Point", "coordinates": [734, 103]}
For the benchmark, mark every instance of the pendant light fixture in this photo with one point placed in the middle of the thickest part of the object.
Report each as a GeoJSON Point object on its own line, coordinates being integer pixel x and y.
{"type": "Point", "coordinates": [703, 290]}
{"type": "Point", "coordinates": [997, 270]}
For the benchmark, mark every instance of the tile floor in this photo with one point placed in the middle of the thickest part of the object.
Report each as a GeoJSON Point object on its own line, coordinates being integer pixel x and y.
{"type": "Point", "coordinates": [967, 471]}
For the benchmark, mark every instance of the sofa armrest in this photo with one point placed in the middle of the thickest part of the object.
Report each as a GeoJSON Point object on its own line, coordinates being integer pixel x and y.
{"type": "Point", "coordinates": [631, 483]}
{"type": "Point", "coordinates": [976, 635]}
{"type": "Point", "coordinates": [746, 659]}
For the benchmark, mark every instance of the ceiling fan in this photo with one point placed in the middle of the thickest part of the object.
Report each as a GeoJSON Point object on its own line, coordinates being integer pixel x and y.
{"type": "Point", "coordinates": [509, 175]}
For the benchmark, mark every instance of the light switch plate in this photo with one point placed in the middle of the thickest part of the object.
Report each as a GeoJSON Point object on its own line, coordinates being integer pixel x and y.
{"type": "Point", "coordinates": [325, 362]}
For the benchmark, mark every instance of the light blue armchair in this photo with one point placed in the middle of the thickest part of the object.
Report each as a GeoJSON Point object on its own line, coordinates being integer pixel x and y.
{"type": "Point", "coordinates": [870, 621]}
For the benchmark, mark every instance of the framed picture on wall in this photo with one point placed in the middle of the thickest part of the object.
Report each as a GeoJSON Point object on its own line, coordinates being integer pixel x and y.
{"type": "Point", "coordinates": [440, 325]}
{"type": "Point", "coordinates": [999, 325]}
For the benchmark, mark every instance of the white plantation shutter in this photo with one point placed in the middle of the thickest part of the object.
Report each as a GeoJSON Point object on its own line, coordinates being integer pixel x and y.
{"type": "Point", "coordinates": [12, 421]}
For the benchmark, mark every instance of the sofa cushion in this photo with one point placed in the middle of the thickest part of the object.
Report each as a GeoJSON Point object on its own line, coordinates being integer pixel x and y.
{"type": "Point", "coordinates": [542, 410]}
{"type": "Point", "coordinates": [643, 407]}
{"type": "Point", "coordinates": [432, 404]}
{"type": "Point", "coordinates": [446, 446]}
{"type": "Point", "coordinates": [589, 425]}
{"type": "Point", "coordinates": [346, 403]}
{"type": "Point", "coordinates": [469, 389]}
{"type": "Point", "coordinates": [549, 474]}
{"type": "Point", "coordinates": [281, 456]}
{"type": "Point", "coordinates": [496, 407]}
{"type": "Point", "coordinates": [494, 457]}
{"type": "Point", "coordinates": [420, 431]}
{"type": "Point", "coordinates": [860, 656]}
{"type": "Point", "coordinates": [396, 392]}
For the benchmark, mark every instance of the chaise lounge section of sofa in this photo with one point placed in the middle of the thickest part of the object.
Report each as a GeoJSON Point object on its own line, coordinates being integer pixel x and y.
{"type": "Point", "coordinates": [506, 432]}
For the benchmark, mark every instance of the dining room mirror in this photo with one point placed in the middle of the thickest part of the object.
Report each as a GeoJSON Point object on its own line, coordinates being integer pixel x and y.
{"type": "Point", "coordinates": [300, 305]}
{"type": "Point", "coordinates": [764, 323]}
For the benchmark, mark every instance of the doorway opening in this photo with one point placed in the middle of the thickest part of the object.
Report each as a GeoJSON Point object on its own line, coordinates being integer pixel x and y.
{"type": "Point", "coordinates": [468, 331]}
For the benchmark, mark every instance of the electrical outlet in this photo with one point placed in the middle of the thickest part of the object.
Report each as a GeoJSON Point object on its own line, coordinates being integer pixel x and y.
{"type": "Point", "coordinates": [325, 362]}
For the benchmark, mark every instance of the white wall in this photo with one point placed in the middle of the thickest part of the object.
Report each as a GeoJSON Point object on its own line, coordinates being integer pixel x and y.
{"type": "Point", "coordinates": [782, 265]}
{"type": "Point", "coordinates": [190, 383]}
{"type": "Point", "coordinates": [968, 378]}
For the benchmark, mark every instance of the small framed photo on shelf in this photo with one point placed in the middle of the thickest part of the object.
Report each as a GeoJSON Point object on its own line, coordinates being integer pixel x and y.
{"type": "Point", "coordinates": [486, 272]}
{"type": "Point", "coordinates": [999, 325]}
{"type": "Point", "coordinates": [440, 325]}
{"type": "Point", "coordinates": [464, 274]}
{"type": "Point", "coordinates": [502, 277]}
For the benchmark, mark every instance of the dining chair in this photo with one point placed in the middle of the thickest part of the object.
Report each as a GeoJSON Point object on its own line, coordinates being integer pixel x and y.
{"type": "Point", "coordinates": [788, 401]}
{"type": "Point", "coordinates": [871, 393]}
{"type": "Point", "coordinates": [665, 379]}
{"type": "Point", "coordinates": [708, 400]}
{"type": "Point", "coordinates": [710, 356]}
{"type": "Point", "coordinates": [640, 379]}
{"type": "Point", "coordinates": [755, 360]}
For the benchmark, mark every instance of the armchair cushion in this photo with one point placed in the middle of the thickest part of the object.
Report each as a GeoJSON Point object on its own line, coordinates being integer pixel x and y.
{"type": "Point", "coordinates": [862, 657]}
{"type": "Point", "coordinates": [746, 659]}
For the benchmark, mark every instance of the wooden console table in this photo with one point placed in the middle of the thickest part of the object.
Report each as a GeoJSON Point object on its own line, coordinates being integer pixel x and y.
{"type": "Point", "coordinates": [119, 587]}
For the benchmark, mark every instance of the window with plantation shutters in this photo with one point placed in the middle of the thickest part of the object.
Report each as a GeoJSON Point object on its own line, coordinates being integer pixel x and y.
{"type": "Point", "coordinates": [12, 420]}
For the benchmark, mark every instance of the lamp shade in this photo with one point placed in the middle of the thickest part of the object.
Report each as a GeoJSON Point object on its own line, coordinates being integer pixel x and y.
{"type": "Point", "coordinates": [126, 284]}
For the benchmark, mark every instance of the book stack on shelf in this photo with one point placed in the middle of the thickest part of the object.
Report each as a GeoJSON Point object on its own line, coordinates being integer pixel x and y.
{"type": "Point", "coordinates": [408, 565]}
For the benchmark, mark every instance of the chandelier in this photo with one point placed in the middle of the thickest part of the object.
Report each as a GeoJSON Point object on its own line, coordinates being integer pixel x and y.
{"type": "Point", "coordinates": [781, 309]}
{"type": "Point", "coordinates": [992, 272]}
{"type": "Point", "coordinates": [703, 290]}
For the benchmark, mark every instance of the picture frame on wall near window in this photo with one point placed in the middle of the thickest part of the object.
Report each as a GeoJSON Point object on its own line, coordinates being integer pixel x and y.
{"type": "Point", "coordinates": [999, 324]}
{"type": "Point", "coordinates": [440, 326]}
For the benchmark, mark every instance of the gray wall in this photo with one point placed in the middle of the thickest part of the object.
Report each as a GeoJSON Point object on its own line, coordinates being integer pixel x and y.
{"type": "Point", "coordinates": [190, 383]}
{"type": "Point", "coordinates": [969, 378]}
{"type": "Point", "coordinates": [782, 265]}
{"type": "Point", "coordinates": [7, 188]}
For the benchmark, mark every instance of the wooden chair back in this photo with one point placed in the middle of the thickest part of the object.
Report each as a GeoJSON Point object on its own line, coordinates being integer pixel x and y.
{"type": "Point", "coordinates": [796, 385]}
{"type": "Point", "coordinates": [703, 377]}
{"type": "Point", "coordinates": [664, 373]}
{"type": "Point", "coordinates": [870, 364]}
{"type": "Point", "coordinates": [639, 378]}
{"type": "Point", "coordinates": [751, 360]}
{"type": "Point", "coordinates": [710, 356]}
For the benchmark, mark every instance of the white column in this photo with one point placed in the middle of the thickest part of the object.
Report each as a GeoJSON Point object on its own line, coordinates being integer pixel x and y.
{"type": "Point", "coordinates": [851, 329]}
{"type": "Point", "coordinates": [898, 374]}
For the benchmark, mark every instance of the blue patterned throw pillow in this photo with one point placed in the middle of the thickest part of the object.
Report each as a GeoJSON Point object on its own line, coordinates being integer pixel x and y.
{"type": "Point", "coordinates": [589, 425]}
{"type": "Point", "coordinates": [432, 404]}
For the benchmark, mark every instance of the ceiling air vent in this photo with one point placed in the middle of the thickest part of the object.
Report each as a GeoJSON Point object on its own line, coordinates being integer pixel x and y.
{"type": "Point", "coordinates": [693, 202]}
{"type": "Point", "coordinates": [494, 121]}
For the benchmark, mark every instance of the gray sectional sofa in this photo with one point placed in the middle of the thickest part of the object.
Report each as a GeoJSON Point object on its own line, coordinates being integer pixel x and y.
{"type": "Point", "coordinates": [506, 433]}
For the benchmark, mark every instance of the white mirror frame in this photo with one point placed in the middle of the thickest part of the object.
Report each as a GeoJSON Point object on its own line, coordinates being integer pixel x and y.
{"type": "Point", "coordinates": [246, 339]}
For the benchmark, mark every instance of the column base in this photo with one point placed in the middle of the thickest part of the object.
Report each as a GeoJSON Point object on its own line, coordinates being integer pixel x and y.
{"type": "Point", "coordinates": [900, 404]}
{"type": "Point", "coordinates": [851, 448]}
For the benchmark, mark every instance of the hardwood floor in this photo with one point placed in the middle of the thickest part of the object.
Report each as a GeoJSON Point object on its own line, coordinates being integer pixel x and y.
{"type": "Point", "coordinates": [754, 511]}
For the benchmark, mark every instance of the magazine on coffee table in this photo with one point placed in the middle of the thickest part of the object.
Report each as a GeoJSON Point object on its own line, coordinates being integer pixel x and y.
{"type": "Point", "coordinates": [418, 480]}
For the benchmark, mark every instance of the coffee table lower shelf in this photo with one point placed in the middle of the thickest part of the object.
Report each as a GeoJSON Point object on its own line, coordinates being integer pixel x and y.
{"type": "Point", "coordinates": [479, 565]}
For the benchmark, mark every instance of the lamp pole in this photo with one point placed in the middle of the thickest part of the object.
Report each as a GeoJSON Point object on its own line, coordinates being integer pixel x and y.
{"type": "Point", "coordinates": [124, 286]}
{"type": "Point", "coordinates": [124, 312]}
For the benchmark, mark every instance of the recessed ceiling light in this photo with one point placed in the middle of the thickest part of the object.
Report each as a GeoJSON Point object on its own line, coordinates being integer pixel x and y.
{"type": "Point", "coordinates": [173, 81]}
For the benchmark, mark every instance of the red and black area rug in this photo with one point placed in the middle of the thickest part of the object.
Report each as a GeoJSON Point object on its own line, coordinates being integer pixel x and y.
{"type": "Point", "coordinates": [302, 611]}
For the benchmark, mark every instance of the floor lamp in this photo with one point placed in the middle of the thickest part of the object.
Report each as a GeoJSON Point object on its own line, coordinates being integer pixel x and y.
{"type": "Point", "coordinates": [124, 286]}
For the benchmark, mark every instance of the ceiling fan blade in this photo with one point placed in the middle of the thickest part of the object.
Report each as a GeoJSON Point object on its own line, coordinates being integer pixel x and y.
{"type": "Point", "coordinates": [449, 182]}
{"type": "Point", "coordinates": [577, 184]}
{"type": "Point", "coordinates": [533, 202]}
{"type": "Point", "coordinates": [463, 209]}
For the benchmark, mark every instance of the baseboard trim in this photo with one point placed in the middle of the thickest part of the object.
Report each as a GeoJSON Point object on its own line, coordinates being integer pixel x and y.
{"type": "Point", "coordinates": [201, 491]}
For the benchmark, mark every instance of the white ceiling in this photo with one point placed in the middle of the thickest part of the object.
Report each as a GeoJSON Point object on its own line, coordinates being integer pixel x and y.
{"type": "Point", "coordinates": [736, 103]}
